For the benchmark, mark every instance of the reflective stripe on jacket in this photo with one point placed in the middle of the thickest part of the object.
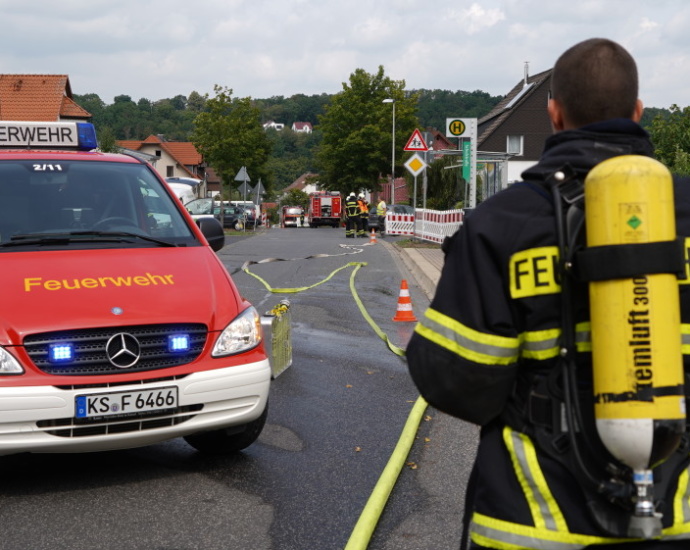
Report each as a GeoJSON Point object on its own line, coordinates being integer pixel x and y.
{"type": "Point", "coordinates": [352, 207]}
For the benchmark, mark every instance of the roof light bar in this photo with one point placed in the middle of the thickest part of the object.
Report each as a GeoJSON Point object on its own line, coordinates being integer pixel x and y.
{"type": "Point", "coordinates": [79, 136]}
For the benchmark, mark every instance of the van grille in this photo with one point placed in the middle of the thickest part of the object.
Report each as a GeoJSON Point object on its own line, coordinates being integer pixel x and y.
{"type": "Point", "coordinates": [90, 356]}
{"type": "Point", "coordinates": [84, 427]}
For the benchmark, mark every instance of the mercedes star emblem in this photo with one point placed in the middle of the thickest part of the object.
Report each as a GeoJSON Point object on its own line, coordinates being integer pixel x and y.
{"type": "Point", "coordinates": [123, 350]}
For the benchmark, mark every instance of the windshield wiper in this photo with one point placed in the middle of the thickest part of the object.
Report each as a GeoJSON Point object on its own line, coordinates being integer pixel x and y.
{"type": "Point", "coordinates": [123, 234]}
{"type": "Point", "coordinates": [61, 239]}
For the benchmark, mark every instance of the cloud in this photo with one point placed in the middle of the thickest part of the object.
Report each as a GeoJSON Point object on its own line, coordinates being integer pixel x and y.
{"type": "Point", "coordinates": [261, 48]}
{"type": "Point", "coordinates": [475, 19]}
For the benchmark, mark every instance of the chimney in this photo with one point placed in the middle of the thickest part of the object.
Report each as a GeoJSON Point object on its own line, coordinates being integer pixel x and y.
{"type": "Point", "coordinates": [526, 72]}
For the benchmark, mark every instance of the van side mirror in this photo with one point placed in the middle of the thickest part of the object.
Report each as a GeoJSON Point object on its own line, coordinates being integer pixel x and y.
{"type": "Point", "coordinates": [213, 231]}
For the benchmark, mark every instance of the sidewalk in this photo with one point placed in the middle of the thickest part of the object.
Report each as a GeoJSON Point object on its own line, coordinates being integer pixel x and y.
{"type": "Point", "coordinates": [426, 265]}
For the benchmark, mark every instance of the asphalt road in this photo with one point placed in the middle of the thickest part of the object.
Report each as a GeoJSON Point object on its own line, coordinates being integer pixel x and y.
{"type": "Point", "coordinates": [335, 417]}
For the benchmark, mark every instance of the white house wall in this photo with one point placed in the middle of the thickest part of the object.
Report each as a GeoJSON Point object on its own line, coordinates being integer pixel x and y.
{"type": "Point", "coordinates": [517, 167]}
{"type": "Point", "coordinates": [164, 161]}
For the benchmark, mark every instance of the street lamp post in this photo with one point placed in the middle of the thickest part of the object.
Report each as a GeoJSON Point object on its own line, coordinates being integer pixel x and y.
{"type": "Point", "coordinates": [391, 100]}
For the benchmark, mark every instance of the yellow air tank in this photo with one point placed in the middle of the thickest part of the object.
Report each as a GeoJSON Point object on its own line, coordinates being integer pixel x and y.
{"type": "Point", "coordinates": [636, 338]}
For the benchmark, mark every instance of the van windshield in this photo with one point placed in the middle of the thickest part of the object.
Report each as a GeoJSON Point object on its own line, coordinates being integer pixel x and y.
{"type": "Point", "coordinates": [81, 202]}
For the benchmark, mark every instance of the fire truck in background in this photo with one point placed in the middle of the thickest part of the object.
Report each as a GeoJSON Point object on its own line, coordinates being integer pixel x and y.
{"type": "Point", "coordinates": [325, 208]}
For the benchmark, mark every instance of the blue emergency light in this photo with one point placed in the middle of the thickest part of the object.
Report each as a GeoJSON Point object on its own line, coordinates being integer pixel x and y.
{"type": "Point", "coordinates": [178, 343]}
{"type": "Point", "coordinates": [61, 353]}
{"type": "Point", "coordinates": [86, 133]}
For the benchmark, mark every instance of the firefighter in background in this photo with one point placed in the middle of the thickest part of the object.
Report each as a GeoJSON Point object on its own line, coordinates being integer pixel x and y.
{"type": "Point", "coordinates": [353, 220]}
{"type": "Point", "coordinates": [490, 348]}
{"type": "Point", "coordinates": [364, 215]}
{"type": "Point", "coordinates": [381, 210]}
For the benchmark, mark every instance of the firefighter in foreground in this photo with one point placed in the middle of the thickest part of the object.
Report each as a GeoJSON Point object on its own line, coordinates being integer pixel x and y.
{"type": "Point", "coordinates": [507, 342]}
{"type": "Point", "coordinates": [353, 221]}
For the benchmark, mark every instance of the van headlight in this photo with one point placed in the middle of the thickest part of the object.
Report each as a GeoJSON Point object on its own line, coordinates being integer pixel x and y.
{"type": "Point", "coordinates": [8, 364]}
{"type": "Point", "coordinates": [242, 334]}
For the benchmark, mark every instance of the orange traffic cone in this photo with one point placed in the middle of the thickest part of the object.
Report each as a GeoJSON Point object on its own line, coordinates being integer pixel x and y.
{"type": "Point", "coordinates": [372, 237]}
{"type": "Point", "coordinates": [404, 312]}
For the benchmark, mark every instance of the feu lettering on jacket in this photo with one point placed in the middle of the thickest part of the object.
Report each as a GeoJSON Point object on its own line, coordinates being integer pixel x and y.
{"type": "Point", "coordinates": [533, 272]}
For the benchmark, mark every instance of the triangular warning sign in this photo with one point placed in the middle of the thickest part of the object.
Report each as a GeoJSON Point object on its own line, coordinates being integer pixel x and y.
{"type": "Point", "coordinates": [416, 142]}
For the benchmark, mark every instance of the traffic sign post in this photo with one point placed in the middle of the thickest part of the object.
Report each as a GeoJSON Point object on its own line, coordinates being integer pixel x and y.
{"type": "Point", "coordinates": [242, 176]}
{"type": "Point", "coordinates": [416, 142]}
{"type": "Point", "coordinates": [415, 164]}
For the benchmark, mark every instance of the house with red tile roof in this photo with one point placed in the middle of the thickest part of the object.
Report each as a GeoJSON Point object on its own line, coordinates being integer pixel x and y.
{"type": "Point", "coordinates": [172, 159]}
{"type": "Point", "coordinates": [39, 97]}
{"type": "Point", "coordinates": [302, 127]}
{"type": "Point", "coordinates": [307, 182]}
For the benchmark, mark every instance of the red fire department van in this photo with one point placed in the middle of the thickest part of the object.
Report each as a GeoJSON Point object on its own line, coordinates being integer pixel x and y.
{"type": "Point", "coordinates": [291, 216]}
{"type": "Point", "coordinates": [119, 326]}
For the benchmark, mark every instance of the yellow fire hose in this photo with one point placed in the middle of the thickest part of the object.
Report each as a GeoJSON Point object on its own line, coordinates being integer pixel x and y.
{"type": "Point", "coordinates": [369, 518]}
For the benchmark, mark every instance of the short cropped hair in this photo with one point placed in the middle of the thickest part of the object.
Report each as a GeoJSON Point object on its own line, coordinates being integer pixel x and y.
{"type": "Point", "coordinates": [595, 80]}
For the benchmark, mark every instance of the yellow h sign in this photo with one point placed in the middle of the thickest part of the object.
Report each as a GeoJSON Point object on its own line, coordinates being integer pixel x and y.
{"type": "Point", "coordinates": [456, 127]}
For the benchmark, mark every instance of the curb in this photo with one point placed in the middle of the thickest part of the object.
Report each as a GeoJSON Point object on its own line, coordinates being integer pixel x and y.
{"type": "Point", "coordinates": [413, 262]}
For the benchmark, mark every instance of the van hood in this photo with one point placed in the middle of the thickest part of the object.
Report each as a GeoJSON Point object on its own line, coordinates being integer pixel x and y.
{"type": "Point", "coordinates": [72, 289]}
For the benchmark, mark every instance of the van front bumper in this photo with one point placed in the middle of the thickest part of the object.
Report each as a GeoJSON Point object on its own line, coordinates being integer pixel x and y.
{"type": "Point", "coordinates": [42, 419]}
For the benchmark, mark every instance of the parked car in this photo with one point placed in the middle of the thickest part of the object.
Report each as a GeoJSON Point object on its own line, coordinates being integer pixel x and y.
{"type": "Point", "coordinates": [374, 223]}
{"type": "Point", "coordinates": [250, 216]}
{"type": "Point", "coordinates": [234, 217]}
{"type": "Point", "coordinates": [254, 211]}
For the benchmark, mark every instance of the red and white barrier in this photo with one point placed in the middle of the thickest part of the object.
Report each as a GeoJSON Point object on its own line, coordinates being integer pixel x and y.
{"type": "Point", "coordinates": [429, 225]}
{"type": "Point", "coordinates": [399, 224]}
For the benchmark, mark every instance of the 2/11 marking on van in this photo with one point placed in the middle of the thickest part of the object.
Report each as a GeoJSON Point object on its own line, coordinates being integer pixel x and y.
{"type": "Point", "coordinates": [125, 402]}
{"type": "Point", "coordinates": [47, 167]}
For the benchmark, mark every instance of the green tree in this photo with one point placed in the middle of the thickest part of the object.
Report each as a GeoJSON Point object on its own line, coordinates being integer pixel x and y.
{"type": "Point", "coordinates": [435, 106]}
{"type": "Point", "coordinates": [92, 103]}
{"type": "Point", "coordinates": [357, 131]}
{"type": "Point", "coordinates": [445, 186]}
{"type": "Point", "coordinates": [295, 197]}
{"type": "Point", "coordinates": [124, 117]}
{"type": "Point", "coordinates": [107, 141]}
{"type": "Point", "coordinates": [229, 135]}
{"type": "Point", "coordinates": [196, 102]}
{"type": "Point", "coordinates": [649, 114]}
{"type": "Point", "coordinates": [292, 155]}
{"type": "Point", "coordinates": [671, 137]}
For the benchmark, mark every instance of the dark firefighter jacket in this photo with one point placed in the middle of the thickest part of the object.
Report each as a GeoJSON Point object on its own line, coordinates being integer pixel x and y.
{"type": "Point", "coordinates": [352, 207]}
{"type": "Point", "coordinates": [493, 328]}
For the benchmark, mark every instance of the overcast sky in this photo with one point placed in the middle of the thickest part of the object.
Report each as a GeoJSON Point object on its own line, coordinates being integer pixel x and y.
{"type": "Point", "coordinates": [157, 49]}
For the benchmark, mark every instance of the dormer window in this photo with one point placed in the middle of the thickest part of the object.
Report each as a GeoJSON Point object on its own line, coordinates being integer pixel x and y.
{"type": "Point", "coordinates": [515, 144]}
